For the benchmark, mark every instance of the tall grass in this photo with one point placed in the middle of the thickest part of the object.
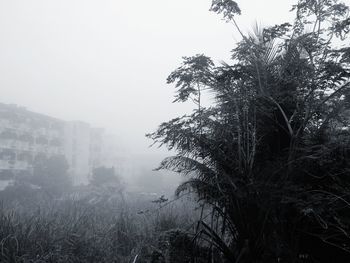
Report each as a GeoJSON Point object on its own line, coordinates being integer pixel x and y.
{"type": "Point", "coordinates": [78, 231]}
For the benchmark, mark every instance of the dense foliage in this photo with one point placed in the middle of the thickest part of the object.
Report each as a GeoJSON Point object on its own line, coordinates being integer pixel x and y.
{"type": "Point", "coordinates": [271, 155]}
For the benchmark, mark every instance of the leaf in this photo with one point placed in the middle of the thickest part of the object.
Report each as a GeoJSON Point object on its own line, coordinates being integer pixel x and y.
{"type": "Point", "coordinates": [228, 8]}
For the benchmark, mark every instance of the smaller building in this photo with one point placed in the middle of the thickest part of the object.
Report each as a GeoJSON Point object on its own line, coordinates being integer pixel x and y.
{"type": "Point", "coordinates": [97, 145]}
{"type": "Point", "coordinates": [77, 150]}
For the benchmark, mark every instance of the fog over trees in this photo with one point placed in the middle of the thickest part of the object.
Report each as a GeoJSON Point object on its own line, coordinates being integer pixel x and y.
{"type": "Point", "coordinates": [249, 157]}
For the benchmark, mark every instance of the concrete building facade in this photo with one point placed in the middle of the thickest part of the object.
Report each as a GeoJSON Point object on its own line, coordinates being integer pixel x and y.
{"type": "Point", "coordinates": [25, 134]}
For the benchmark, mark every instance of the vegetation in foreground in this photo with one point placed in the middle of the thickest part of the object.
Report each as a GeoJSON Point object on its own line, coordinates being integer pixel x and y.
{"type": "Point", "coordinates": [44, 220]}
{"type": "Point", "coordinates": [79, 231]}
{"type": "Point", "coordinates": [271, 153]}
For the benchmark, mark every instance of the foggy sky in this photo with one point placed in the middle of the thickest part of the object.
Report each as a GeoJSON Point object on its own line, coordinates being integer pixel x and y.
{"type": "Point", "coordinates": [105, 62]}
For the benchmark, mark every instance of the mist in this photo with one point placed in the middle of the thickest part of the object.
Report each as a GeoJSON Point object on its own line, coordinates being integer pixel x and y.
{"type": "Point", "coordinates": [106, 62]}
{"type": "Point", "coordinates": [84, 81]}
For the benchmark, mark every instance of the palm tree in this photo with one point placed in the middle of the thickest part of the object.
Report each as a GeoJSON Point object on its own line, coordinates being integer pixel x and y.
{"type": "Point", "coordinates": [264, 155]}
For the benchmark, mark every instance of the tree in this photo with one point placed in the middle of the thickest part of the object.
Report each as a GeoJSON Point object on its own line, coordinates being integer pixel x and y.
{"type": "Point", "coordinates": [105, 176]}
{"type": "Point", "coordinates": [271, 154]}
{"type": "Point", "coordinates": [106, 185]}
{"type": "Point", "coordinates": [51, 174]}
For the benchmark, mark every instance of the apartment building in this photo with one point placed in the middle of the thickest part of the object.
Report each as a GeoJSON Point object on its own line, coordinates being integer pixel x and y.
{"type": "Point", "coordinates": [25, 134]}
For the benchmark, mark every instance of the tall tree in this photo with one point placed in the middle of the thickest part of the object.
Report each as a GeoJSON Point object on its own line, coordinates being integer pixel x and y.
{"type": "Point", "coordinates": [271, 154]}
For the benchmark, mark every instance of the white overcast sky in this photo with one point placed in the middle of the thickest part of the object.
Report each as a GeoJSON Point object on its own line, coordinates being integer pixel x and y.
{"type": "Point", "coordinates": [105, 62]}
